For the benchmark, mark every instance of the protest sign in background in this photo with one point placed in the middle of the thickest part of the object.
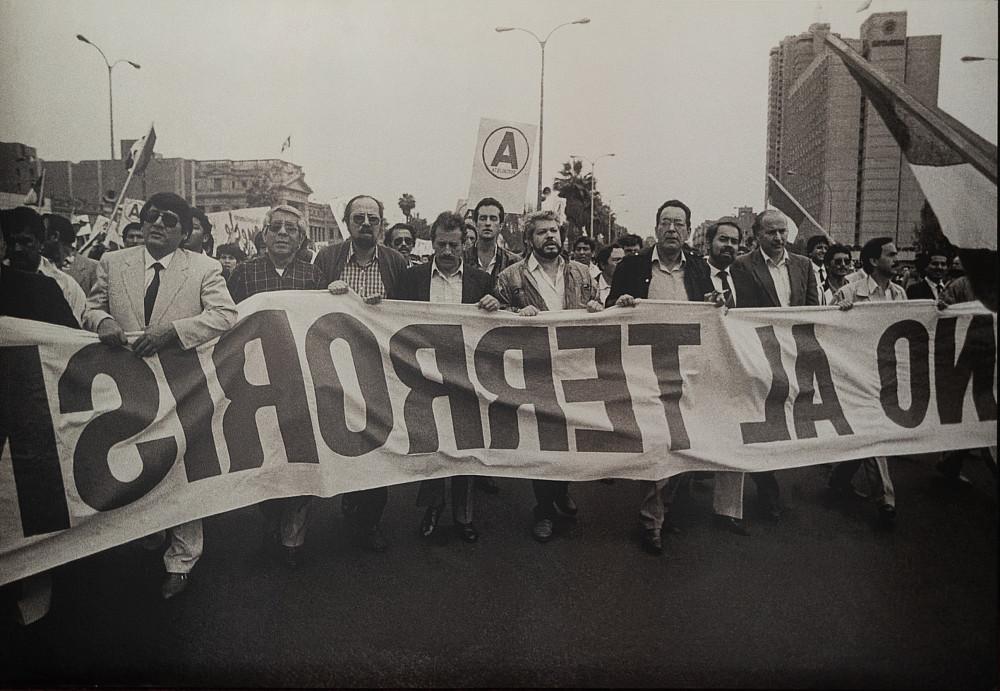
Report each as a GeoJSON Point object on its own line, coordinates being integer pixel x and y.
{"type": "Point", "coordinates": [315, 394]}
{"type": "Point", "coordinates": [238, 227]}
{"type": "Point", "coordinates": [501, 162]}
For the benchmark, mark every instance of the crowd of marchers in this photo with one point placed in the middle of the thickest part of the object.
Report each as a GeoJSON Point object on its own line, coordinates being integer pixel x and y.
{"type": "Point", "coordinates": [163, 289]}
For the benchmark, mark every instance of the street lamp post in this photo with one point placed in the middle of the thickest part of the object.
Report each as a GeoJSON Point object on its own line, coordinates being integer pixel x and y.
{"type": "Point", "coordinates": [541, 89]}
{"type": "Point", "coordinates": [976, 58]}
{"type": "Point", "coordinates": [611, 228]}
{"type": "Point", "coordinates": [593, 164]}
{"type": "Point", "coordinates": [111, 103]}
{"type": "Point", "coordinates": [829, 197]}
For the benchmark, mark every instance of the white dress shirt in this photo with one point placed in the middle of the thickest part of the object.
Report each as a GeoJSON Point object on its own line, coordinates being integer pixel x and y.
{"type": "Point", "coordinates": [717, 280]}
{"type": "Point", "coordinates": [552, 292]}
{"type": "Point", "coordinates": [779, 275]}
{"type": "Point", "coordinates": [163, 261]}
{"type": "Point", "coordinates": [446, 289]}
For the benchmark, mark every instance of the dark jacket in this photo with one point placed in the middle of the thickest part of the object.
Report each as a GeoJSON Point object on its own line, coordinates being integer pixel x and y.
{"type": "Point", "coordinates": [332, 259]}
{"type": "Point", "coordinates": [415, 284]}
{"type": "Point", "coordinates": [634, 273]}
{"type": "Point", "coordinates": [920, 291]}
{"type": "Point", "coordinates": [33, 296]}
{"type": "Point", "coordinates": [755, 288]}
{"type": "Point", "coordinates": [504, 259]}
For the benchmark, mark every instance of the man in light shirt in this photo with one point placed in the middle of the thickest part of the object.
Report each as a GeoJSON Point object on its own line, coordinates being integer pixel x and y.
{"type": "Point", "coordinates": [487, 254]}
{"type": "Point", "coordinates": [608, 259]}
{"type": "Point", "coordinates": [816, 249]}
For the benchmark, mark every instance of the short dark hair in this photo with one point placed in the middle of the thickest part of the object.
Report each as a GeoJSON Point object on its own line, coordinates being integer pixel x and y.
{"type": "Point", "coordinates": [13, 221]}
{"type": "Point", "coordinates": [168, 201]}
{"type": "Point", "coordinates": [629, 240]}
{"type": "Point", "coordinates": [713, 229]}
{"type": "Point", "coordinates": [131, 226]}
{"type": "Point", "coordinates": [604, 254]}
{"type": "Point", "coordinates": [233, 250]}
{"type": "Point", "coordinates": [350, 203]}
{"type": "Point", "coordinates": [924, 258]}
{"type": "Point", "coordinates": [677, 203]}
{"type": "Point", "coordinates": [815, 240]}
{"type": "Point", "coordinates": [206, 225]}
{"type": "Point", "coordinates": [589, 241]}
{"type": "Point", "coordinates": [389, 234]}
{"type": "Point", "coordinates": [62, 228]}
{"type": "Point", "coordinates": [836, 248]}
{"type": "Point", "coordinates": [487, 201]}
{"type": "Point", "coordinates": [447, 220]}
{"type": "Point", "coordinates": [873, 250]}
{"type": "Point", "coordinates": [546, 189]}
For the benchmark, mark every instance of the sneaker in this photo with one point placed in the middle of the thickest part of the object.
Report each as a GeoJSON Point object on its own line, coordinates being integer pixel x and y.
{"type": "Point", "coordinates": [542, 530]}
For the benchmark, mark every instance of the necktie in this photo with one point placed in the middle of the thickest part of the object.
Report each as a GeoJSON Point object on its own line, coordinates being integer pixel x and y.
{"type": "Point", "coordinates": [152, 290]}
{"type": "Point", "coordinates": [726, 288]}
{"type": "Point", "coordinates": [822, 275]}
{"type": "Point", "coordinates": [938, 288]}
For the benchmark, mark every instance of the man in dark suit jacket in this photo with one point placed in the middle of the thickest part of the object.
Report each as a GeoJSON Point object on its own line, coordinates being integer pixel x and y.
{"type": "Point", "coordinates": [666, 271]}
{"type": "Point", "coordinates": [32, 296]}
{"type": "Point", "coordinates": [933, 267]}
{"type": "Point", "coordinates": [771, 277]}
{"type": "Point", "coordinates": [449, 280]}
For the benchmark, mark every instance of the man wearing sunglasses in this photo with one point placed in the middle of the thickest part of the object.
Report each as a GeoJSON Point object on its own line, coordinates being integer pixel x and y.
{"type": "Point", "coordinates": [172, 298]}
{"type": "Point", "coordinates": [371, 271]}
{"type": "Point", "coordinates": [401, 238]}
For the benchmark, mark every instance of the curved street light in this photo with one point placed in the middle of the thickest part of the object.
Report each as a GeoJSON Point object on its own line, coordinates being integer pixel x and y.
{"type": "Point", "coordinates": [541, 89]}
{"type": "Point", "coordinates": [110, 66]}
{"type": "Point", "coordinates": [976, 58]}
{"type": "Point", "coordinates": [593, 164]}
{"type": "Point", "coordinates": [829, 198]}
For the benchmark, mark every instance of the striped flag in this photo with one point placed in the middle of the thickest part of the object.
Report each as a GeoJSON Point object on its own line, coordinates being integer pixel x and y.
{"type": "Point", "coordinates": [36, 195]}
{"type": "Point", "coordinates": [782, 199]}
{"type": "Point", "coordinates": [141, 152]}
{"type": "Point", "coordinates": [955, 167]}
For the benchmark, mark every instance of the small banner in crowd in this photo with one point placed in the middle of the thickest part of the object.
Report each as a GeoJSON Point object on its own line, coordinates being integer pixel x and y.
{"type": "Point", "coordinates": [501, 163]}
{"type": "Point", "coordinates": [238, 227]}
{"type": "Point", "coordinates": [319, 395]}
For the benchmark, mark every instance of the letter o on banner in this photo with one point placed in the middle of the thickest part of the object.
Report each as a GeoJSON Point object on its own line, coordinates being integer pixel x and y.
{"type": "Point", "coordinates": [920, 379]}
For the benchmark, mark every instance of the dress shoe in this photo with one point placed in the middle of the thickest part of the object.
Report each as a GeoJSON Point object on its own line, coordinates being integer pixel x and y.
{"type": "Point", "coordinates": [886, 517]}
{"type": "Point", "coordinates": [487, 484]}
{"type": "Point", "coordinates": [542, 530]}
{"type": "Point", "coordinates": [565, 504]}
{"type": "Point", "coordinates": [468, 532]}
{"type": "Point", "coordinates": [291, 557]}
{"type": "Point", "coordinates": [734, 525]}
{"type": "Point", "coordinates": [173, 584]}
{"type": "Point", "coordinates": [430, 521]}
{"type": "Point", "coordinates": [652, 543]}
{"type": "Point", "coordinates": [375, 541]}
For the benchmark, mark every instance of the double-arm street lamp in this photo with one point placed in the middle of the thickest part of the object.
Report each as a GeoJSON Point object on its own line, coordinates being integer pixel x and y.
{"type": "Point", "coordinates": [593, 164]}
{"type": "Point", "coordinates": [829, 197]}
{"type": "Point", "coordinates": [541, 90]}
{"type": "Point", "coordinates": [110, 66]}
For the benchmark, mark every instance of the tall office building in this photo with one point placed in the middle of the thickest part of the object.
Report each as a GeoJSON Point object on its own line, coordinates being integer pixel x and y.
{"type": "Point", "coordinates": [829, 147]}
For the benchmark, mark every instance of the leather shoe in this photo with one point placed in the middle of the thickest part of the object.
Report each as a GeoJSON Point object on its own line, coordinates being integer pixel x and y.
{"type": "Point", "coordinates": [487, 484]}
{"type": "Point", "coordinates": [430, 521]}
{"type": "Point", "coordinates": [652, 543]}
{"type": "Point", "coordinates": [542, 530]}
{"type": "Point", "coordinates": [375, 541]}
{"type": "Point", "coordinates": [468, 532]}
{"type": "Point", "coordinates": [173, 584]}
{"type": "Point", "coordinates": [733, 525]}
{"type": "Point", "coordinates": [886, 517]}
{"type": "Point", "coordinates": [565, 504]}
{"type": "Point", "coordinates": [291, 557]}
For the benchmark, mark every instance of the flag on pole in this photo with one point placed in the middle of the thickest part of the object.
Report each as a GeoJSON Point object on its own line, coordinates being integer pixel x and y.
{"type": "Point", "coordinates": [783, 200]}
{"type": "Point", "coordinates": [36, 195]}
{"type": "Point", "coordinates": [955, 167]}
{"type": "Point", "coordinates": [141, 152]}
{"type": "Point", "coordinates": [287, 144]}
{"type": "Point", "coordinates": [864, 6]}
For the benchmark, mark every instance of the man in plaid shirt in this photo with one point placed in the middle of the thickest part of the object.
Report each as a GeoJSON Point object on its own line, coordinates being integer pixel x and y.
{"type": "Point", "coordinates": [278, 269]}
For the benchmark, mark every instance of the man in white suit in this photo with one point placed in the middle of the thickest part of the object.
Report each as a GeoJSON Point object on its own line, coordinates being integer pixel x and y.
{"type": "Point", "coordinates": [172, 297]}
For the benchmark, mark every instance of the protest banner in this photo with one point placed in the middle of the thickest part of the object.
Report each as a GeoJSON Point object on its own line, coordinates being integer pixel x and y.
{"type": "Point", "coordinates": [501, 162]}
{"type": "Point", "coordinates": [239, 227]}
{"type": "Point", "coordinates": [316, 394]}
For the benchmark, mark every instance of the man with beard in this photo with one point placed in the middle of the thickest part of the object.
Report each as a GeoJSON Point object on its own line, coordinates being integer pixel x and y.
{"type": "Point", "coordinates": [666, 271]}
{"type": "Point", "coordinates": [545, 281]}
{"type": "Point", "coordinates": [371, 271]}
{"type": "Point", "coordinates": [771, 277]}
{"type": "Point", "coordinates": [24, 235]}
{"type": "Point", "coordinates": [933, 266]}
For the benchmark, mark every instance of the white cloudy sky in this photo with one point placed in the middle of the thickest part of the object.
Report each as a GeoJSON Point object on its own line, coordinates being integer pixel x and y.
{"type": "Point", "coordinates": [385, 97]}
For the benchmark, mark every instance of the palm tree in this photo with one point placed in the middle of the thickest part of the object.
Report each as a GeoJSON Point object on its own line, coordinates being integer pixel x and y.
{"type": "Point", "coordinates": [573, 186]}
{"type": "Point", "coordinates": [406, 204]}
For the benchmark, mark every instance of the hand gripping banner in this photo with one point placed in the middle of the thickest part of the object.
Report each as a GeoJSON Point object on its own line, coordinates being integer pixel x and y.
{"type": "Point", "coordinates": [320, 395]}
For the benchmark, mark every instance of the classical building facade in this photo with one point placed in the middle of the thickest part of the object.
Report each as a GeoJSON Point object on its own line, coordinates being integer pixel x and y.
{"type": "Point", "coordinates": [829, 147]}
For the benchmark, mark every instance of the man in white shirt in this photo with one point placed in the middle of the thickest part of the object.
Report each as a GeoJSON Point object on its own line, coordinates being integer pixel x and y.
{"type": "Point", "coordinates": [583, 252]}
{"type": "Point", "coordinates": [607, 262]}
{"type": "Point", "coordinates": [816, 249]}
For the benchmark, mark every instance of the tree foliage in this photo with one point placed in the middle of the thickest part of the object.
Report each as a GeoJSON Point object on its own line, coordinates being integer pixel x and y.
{"type": "Point", "coordinates": [406, 204]}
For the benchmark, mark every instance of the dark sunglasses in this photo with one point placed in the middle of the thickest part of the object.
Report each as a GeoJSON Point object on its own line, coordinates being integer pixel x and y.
{"type": "Point", "coordinates": [170, 219]}
{"type": "Point", "coordinates": [359, 219]}
{"type": "Point", "coordinates": [396, 242]}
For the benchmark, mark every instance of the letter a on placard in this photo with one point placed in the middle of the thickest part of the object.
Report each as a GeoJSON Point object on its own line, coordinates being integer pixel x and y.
{"type": "Point", "coordinates": [506, 152]}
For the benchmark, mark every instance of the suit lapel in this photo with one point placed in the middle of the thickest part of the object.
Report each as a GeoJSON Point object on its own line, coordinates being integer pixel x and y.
{"type": "Point", "coordinates": [135, 285]}
{"type": "Point", "coordinates": [170, 284]}
{"type": "Point", "coordinates": [763, 277]}
{"type": "Point", "coordinates": [424, 284]}
{"type": "Point", "coordinates": [797, 295]}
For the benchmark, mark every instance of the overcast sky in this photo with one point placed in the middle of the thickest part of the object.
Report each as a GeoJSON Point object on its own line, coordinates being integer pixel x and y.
{"type": "Point", "coordinates": [385, 97]}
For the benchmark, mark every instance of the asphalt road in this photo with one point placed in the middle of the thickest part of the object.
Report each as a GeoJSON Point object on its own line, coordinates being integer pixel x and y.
{"type": "Point", "coordinates": [822, 599]}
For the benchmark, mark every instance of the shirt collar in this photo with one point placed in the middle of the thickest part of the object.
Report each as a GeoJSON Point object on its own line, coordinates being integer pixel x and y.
{"type": "Point", "coordinates": [768, 260]}
{"type": "Point", "coordinates": [442, 274]}
{"type": "Point", "coordinates": [535, 265]}
{"type": "Point", "coordinates": [714, 269]}
{"type": "Point", "coordinates": [656, 256]}
{"type": "Point", "coordinates": [163, 261]}
{"type": "Point", "coordinates": [350, 252]}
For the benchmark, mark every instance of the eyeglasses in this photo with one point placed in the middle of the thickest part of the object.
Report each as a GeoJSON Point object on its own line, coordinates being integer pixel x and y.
{"type": "Point", "coordinates": [359, 219]}
{"type": "Point", "coordinates": [396, 242]}
{"type": "Point", "coordinates": [290, 227]}
{"type": "Point", "coordinates": [170, 219]}
{"type": "Point", "coordinates": [840, 262]}
{"type": "Point", "coordinates": [674, 224]}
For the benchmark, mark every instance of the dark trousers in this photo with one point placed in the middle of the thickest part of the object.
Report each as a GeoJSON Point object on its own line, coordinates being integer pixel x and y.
{"type": "Point", "coordinates": [546, 492]}
{"type": "Point", "coordinates": [768, 492]}
{"type": "Point", "coordinates": [366, 507]}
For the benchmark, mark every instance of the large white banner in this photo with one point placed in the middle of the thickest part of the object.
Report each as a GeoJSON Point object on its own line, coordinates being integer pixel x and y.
{"type": "Point", "coordinates": [316, 394]}
{"type": "Point", "coordinates": [501, 163]}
